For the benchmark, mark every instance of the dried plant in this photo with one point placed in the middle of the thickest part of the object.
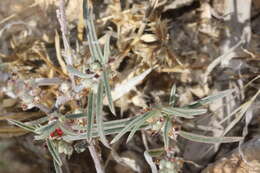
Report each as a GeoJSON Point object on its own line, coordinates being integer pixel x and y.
{"type": "Point", "coordinates": [91, 81]}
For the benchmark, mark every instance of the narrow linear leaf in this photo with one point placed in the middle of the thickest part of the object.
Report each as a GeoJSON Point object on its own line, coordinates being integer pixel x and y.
{"type": "Point", "coordinates": [110, 127]}
{"type": "Point", "coordinates": [47, 129]}
{"type": "Point", "coordinates": [191, 112]}
{"type": "Point", "coordinates": [90, 114]}
{"type": "Point", "coordinates": [173, 96]}
{"type": "Point", "coordinates": [86, 15]}
{"type": "Point", "coordinates": [22, 125]}
{"type": "Point", "coordinates": [99, 117]}
{"type": "Point", "coordinates": [207, 100]}
{"type": "Point", "coordinates": [117, 130]}
{"type": "Point", "coordinates": [129, 126]}
{"type": "Point", "coordinates": [95, 133]}
{"type": "Point", "coordinates": [82, 115]}
{"type": "Point", "coordinates": [108, 92]}
{"type": "Point", "coordinates": [75, 116]}
{"type": "Point", "coordinates": [106, 48]}
{"type": "Point", "coordinates": [140, 122]}
{"type": "Point", "coordinates": [166, 130]}
{"type": "Point", "coordinates": [94, 42]}
{"type": "Point", "coordinates": [208, 139]}
{"type": "Point", "coordinates": [91, 33]}
{"type": "Point", "coordinates": [108, 124]}
{"type": "Point", "coordinates": [94, 53]}
{"type": "Point", "coordinates": [38, 121]}
{"type": "Point", "coordinates": [54, 152]}
{"type": "Point", "coordinates": [117, 123]}
{"type": "Point", "coordinates": [183, 112]}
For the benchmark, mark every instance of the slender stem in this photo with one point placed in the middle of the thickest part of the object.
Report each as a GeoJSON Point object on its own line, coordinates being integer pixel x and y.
{"type": "Point", "coordinates": [95, 158]}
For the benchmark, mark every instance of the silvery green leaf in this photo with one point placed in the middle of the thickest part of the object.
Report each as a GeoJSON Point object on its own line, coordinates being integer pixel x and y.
{"type": "Point", "coordinates": [57, 167]}
{"type": "Point", "coordinates": [47, 129]}
{"type": "Point", "coordinates": [54, 152]}
{"type": "Point", "coordinates": [110, 127]}
{"type": "Point", "coordinates": [119, 129]}
{"type": "Point", "coordinates": [94, 42]}
{"type": "Point", "coordinates": [109, 124]}
{"type": "Point", "coordinates": [183, 112]}
{"type": "Point", "coordinates": [173, 96]}
{"type": "Point", "coordinates": [207, 100]}
{"type": "Point", "coordinates": [95, 134]}
{"type": "Point", "coordinates": [22, 125]}
{"type": "Point", "coordinates": [90, 114]}
{"type": "Point", "coordinates": [166, 130]}
{"type": "Point", "coordinates": [38, 121]}
{"type": "Point", "coordinates": [208, 139]}
{"type": "Point", "coordinates": [91, 34]}
{"type": "Point", "coordinates": [140, 122]}
{"type": "Point", "coordinates": [117, 123]}
{"type": "Point", "coordinates": [108, 92]}
{"type": "Point", "coordinates": [106, 48]}
{"type": "Point", "coordinates": [99, 116]}
{"type": "Point", "coordinates": [74, 116]}
{"type": "Point", "coordinates": [129, 126]}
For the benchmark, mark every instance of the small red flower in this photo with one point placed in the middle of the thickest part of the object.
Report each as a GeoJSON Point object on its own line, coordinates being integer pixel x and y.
{"type": "Point", "coordinates": [59, 132]}
{"type": "Point", "coordinates": [52, 134]}
{"type": "Point", "coordinates": [56, 132]}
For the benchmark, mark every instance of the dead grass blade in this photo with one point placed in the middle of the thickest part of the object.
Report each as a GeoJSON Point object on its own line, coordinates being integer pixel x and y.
{"type": "Point", "coordinates": [240, 113]}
